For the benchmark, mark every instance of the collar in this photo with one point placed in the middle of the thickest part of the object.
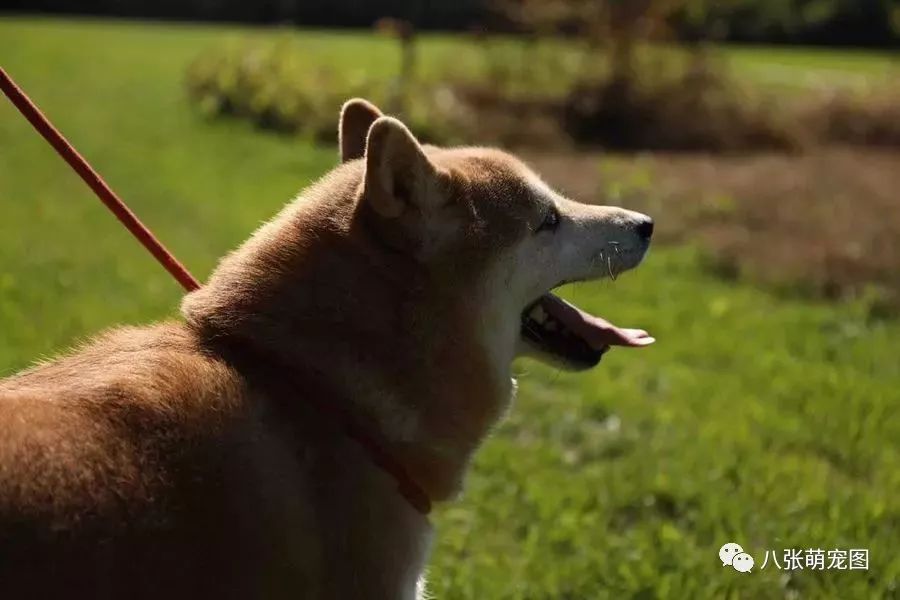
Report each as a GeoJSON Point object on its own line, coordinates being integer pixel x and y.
{"type": "Point", "coordinates": [262, 374]}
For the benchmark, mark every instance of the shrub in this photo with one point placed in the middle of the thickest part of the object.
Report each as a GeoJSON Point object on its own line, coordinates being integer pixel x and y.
{"type": "Point", "coordinates": [664, 100]}
{"type": "Point", "coordinates": [271, 85]}
{"type": "Point", "coordinates": [267, 83]}
{"type": "Point", "coordinates": [872, 119]}
{"type": "Point", "coordinates": [687, 106]}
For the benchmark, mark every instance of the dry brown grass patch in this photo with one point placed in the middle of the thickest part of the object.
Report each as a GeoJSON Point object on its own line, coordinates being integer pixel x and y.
{"type": "Point", "coordinates": [826, 222]}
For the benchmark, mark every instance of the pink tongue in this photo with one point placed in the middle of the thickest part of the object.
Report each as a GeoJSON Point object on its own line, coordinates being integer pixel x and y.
{"type": "Point", "coordinates": [597, 332]}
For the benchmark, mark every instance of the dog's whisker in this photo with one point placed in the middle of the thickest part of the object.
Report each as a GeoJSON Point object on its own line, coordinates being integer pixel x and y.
{"type": "Point", "coordinates": [618, 260]}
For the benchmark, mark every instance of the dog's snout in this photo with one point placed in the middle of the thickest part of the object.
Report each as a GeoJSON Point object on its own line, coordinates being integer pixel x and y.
{"type": "Point", "coordinates": [645, 228]}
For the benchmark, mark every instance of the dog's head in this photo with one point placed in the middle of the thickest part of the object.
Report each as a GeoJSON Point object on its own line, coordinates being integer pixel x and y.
{"type": "Point", "coordinates": [484, 220]}
{"type": "Point", "coordinates": [413, 276]}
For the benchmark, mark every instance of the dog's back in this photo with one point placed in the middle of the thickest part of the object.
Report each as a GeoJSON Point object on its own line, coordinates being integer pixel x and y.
{"type": "Point", "coordinates": [93, 446]}
{"type": "Point", "coordinates": [113, 469]}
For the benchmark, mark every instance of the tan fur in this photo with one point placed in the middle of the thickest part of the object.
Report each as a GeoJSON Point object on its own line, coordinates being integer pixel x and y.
{"type": "Point", "coordinates": [185, 460]}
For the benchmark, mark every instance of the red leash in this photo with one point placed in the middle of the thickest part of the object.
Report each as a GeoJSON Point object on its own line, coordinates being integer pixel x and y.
{"type": "Point", "coordinates": [407, 486]}
{"type": "Point", "coordinates": [96, 183]}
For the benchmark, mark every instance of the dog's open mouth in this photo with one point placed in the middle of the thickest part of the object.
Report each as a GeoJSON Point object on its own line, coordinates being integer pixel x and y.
{"type": "Point", "coordinates": [564, 332]}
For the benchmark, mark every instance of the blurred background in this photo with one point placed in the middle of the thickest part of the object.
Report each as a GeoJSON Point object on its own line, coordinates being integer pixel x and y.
{"type": "Point", "coordinates": [762, 135]}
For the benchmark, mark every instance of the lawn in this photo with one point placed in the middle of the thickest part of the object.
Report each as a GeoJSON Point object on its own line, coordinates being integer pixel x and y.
{"type": "Point", "coordinates": [815, 67]}
{"type": "Point", "coordinates": [755, 419]}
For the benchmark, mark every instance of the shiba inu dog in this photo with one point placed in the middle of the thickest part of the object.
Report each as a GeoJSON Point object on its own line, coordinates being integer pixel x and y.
{"type": "Point", "coordinates": [331, 380]}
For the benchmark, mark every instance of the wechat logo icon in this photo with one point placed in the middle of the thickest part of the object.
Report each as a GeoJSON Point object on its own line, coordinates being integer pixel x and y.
{"type": "Point", "coordinates": [733, 555]}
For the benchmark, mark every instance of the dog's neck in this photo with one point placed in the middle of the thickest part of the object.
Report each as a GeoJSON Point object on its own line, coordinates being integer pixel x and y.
{"type": "Point", "coordinates": [406, 356]}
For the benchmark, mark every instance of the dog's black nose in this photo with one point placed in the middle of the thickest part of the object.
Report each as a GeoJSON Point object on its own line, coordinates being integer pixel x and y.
{"type": "Point", "coordinates": [645, 229]}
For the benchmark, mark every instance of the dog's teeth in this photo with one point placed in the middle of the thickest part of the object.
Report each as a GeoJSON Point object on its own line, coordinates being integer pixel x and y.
{"type": "Point", "coordinates": [551, 325]}
{"type": "Point", "coordinates": [537, 313]}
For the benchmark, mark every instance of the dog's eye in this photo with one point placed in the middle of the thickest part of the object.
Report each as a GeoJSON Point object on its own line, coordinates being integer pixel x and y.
{"type": "Point", "coordinates": [550, 222]}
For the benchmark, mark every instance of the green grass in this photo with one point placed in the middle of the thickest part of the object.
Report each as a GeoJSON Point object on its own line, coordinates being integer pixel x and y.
{"type": "Point", "coordinates": [755, 419]}
{"type": "Point", "coordinates": [858, 70]}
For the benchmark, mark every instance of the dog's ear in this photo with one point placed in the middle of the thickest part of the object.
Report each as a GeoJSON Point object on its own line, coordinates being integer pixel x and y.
{"type": "Point", "coordinates": [398, 173]}
{"type": "Point", "coordinates": [357, 116]}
